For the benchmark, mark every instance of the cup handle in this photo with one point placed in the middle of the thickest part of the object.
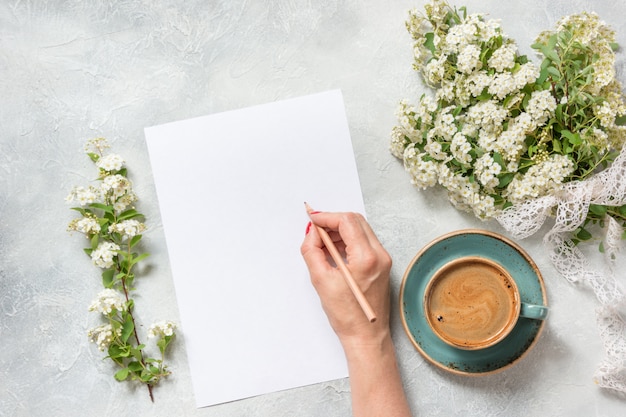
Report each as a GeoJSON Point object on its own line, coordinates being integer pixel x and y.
{"type": "Point", "coordinates": [533, 311]}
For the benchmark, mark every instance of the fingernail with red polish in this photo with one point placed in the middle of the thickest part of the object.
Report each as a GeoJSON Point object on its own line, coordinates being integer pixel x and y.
{"type": "Point", "coordinates": [308, 228]}
{"type": "Point", "coordinates": [315, 212]}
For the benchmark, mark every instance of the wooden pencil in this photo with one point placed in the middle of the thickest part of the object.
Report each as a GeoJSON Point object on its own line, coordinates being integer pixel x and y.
{"type": "Point", "coordinates": [334, 253]}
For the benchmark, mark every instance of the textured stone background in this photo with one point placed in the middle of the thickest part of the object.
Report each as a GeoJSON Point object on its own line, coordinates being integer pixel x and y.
{"type": "Point", "coordinates": [72, 70]}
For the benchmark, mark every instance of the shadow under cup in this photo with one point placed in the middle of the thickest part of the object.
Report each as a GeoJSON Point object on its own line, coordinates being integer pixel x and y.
{"type": "Point", "coordinates": [473, 303]}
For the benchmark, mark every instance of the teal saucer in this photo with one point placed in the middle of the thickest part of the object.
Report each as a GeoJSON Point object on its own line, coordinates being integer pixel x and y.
{"type": "Point", "coordinates": [471, 242]}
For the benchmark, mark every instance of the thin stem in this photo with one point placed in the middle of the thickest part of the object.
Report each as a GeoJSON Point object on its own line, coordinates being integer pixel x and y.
{"type": "Point", "coordinates": [132, 318]}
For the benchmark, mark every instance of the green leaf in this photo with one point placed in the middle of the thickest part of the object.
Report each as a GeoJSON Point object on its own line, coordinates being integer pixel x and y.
{"type": "Point", "coordinates": [554, 72]}
{"type": "Point", "coordinates": [116, 352]}
{"type": "Point", "coordinates": [107, 278]}
{"type": "Point", "coordinates": [94, 241]}
{"type": "Point", "coordinates": [558, 112]}
{"type": "Point", "coordinates": [129, 214]}
{"type": "Point", "coordinates": [497, 158]}
{"type": "Point", "coordinates": [146, 376]}
{"type": "Point", "coordinates": [82, 211]}
{"type": "Point", "coordinates": [621, 120]}
{"type": "Point", "coordinates": [127, 327]}
{"type": "Point", "coordinates": [104, 207]}
{"type": "Point", "coordinates": [93, 156]}
{"type": "Point", "coordinates": [582, 234]}
{"type": "Point", "coordinates": [505, 179]}
{"type": "Point", "coordinates": [139, 258]}
{"type": "Point", "coordinates": [598, 210]}
{"type": "Point", "coordinates": [135, 366]}
{"type": "Point", "coordinates": [137, 354]}
{"type": "Point", "coordinates": [573, 138]}
{"type": "Point", "coordinates": [552, 40]}
{"type": "Point", "coordinates": [134, 240]}
{"type": "Point", "coordinates": [484, 96]}
{"type": "Point", "coordinates": [122, 374]}
{"type": "Point", "coordinates": [429, 43]}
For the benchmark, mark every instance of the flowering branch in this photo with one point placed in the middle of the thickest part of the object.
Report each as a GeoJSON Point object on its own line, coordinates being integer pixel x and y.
{"type": "Point", "coordinates": [114, 229]}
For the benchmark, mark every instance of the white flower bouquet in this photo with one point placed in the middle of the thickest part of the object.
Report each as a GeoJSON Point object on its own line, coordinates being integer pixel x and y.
{"type": "Point", "coordinates": [519, 142]}
{"type": "Point", "coordinates": [501, 130]}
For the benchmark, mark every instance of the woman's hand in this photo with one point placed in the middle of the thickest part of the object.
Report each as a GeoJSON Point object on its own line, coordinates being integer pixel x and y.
{"type": "Point", "coordinates": [369, 264]}
{"type": "Point", "coordinates": [375, 380]}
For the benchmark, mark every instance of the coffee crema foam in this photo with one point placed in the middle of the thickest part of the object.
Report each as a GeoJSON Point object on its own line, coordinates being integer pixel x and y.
{"type": "Point", "coordinates": [471, 303]}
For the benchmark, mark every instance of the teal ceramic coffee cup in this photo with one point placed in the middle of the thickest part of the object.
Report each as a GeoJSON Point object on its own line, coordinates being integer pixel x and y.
{"type": "Point", "coordinates": [484, 244]}
{"type": "Point", "coordinates": [474, 303]}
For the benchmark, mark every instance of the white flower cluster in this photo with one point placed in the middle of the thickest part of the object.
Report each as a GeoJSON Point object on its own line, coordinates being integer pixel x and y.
{"type": "Point", "coordinates": [115, 190]}
{"type": "Point", "coordinates": [96, 146]}
{"type": "Point", "coordinates": [128, 228]}
{"type": "Point", "coordinates": [83, 196]}
{"type": "Point", "coordinates": [487, 135]}
{"type": "Point", "coordinates": [540, 179]}
{"type": "Point", "coordinates": [111, 162]}
{"type": "Point", "coordinates": [103, 255]}
{"type": "Point", "coordinates": [161, 329]}
{"type": "Point", "coordinates": [87, 225]}
{"type": "Point", "coordinates": [103, 336]}
{"type": "Point", "coordinates": [107, 301]}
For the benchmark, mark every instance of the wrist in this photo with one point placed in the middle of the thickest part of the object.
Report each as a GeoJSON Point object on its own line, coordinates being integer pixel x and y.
{"type": "Point", "coordinates": [373, 347]}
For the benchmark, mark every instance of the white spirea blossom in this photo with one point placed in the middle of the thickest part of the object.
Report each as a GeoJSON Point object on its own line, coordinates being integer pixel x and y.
{"type": "Point", "coordinates": [111, 162]}
{"type": "Point", "coordinates": [435, 150]}
{"type": "Point", "coordinates": [540, 178]}
{"type": "Point", "coordinates": [477, 82]}
{"type": "Point", "coordinates": [103, 255]}
{"type": "Point", "coordinates": [97, 145]}
{"type": "Point", "coordinates": [423, 173]}
{"type": "Point", "coordinates": [435, 70]}
{"type": "Point", "coordinates": [107, 301]}
{"type": "Point", "coordinates": [117, 185]}
{"type": "Point", "coordinates": [128, 228]}
{"type": "Point", "coordinates": [526, 74]}
{"type": "Point", "coordinates": [117, 191]}
{"type": "Point", "coordinates": [103, 336]}
{"type": "Point", "coordinates": [86, 225]}
{"type": "Point", "coordinates": [398, 142]}
{"type": "Point", "coordinates": [503, 58]}
{"type": "Point", "coordinates": [502, 84]}
{"type": "Point", "coordinates": [161, 329]}
{"type": "Point", "coordinates": [83, 196]}
{"type": "Point", "coordinates": [469, 59]}
{"type": "Point", "coordinates": [541, 106]}
{"type": "Point", "coordinates": [487, 170]}
{"type": "Point", "coordinates": [460, 148]}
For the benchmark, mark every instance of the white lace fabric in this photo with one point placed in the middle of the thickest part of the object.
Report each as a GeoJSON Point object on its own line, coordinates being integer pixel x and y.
{"type": "Point", "coordinates": [571, 205]}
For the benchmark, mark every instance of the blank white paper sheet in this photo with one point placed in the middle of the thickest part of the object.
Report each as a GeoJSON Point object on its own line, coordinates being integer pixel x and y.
{"type": "Point", "coordinates": [231, 189]}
